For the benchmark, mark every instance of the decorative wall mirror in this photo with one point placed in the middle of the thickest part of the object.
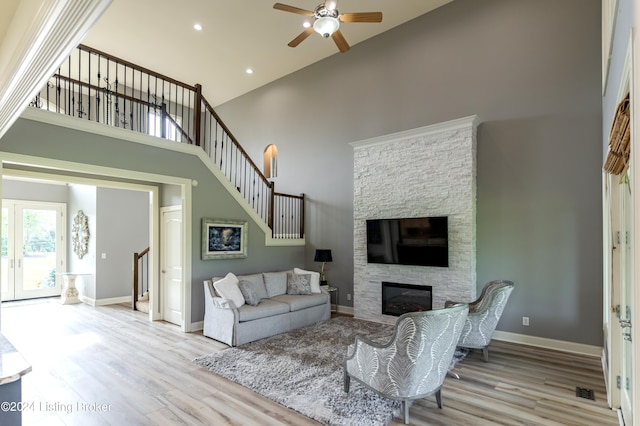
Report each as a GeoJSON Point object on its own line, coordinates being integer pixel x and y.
{"type": "Point", "coordinates": [80, 234]}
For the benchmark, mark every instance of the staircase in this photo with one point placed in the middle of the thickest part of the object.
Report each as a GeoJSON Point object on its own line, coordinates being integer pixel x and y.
{"type": "Point", "coordinates": [140, 298]}
{"type": "Point", "coordinates": [93, 85]}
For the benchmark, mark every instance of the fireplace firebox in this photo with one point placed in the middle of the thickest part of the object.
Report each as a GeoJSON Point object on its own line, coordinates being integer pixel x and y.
{"type": "Point", "coordinates": [398, 299]}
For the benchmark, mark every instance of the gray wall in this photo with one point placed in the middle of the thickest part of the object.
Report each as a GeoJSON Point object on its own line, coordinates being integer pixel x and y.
{"type": "Point", "coordinates": [34, 191]}
{"type": "Point", "coordinates": [210, 198]}
{"type": "Point", "coordinates": [531, 71]}
{"type": "Point", "coordinates": [122, 229]}
{"type": "Point", "coordinates": [83, 197]}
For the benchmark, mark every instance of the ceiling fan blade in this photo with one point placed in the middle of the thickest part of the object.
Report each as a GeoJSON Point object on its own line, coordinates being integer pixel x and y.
{"type": "Point", "coordinates": [292, 9]}
{"type": "Point", "coordinates": [303, 35]}
{"type": "Point", "coordinates": [361, 17]}
{"type": "Point", "coordinates": [340, 41]}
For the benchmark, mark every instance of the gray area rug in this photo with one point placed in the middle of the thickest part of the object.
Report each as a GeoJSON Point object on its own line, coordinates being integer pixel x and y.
{"type": "Point", "coordinates": [302, 370]}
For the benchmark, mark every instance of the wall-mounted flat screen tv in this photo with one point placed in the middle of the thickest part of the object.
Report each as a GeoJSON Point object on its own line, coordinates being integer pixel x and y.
{"type": "Point", "coordinates": [422, 241]}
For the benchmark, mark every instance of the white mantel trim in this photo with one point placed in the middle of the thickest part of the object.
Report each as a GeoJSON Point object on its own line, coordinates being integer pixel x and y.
{"type": "Point", "coordinates": [460, 123]}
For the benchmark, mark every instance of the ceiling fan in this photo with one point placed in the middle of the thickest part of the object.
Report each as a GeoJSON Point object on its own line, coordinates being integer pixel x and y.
{"type": "Point", "coordinates": [327, 21]}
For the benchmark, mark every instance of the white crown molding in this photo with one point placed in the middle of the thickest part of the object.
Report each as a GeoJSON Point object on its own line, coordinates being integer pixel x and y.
{"type": "Point", "coordinates": [40, 36]}
{"type": "Point", "coordinates": [471, 121]}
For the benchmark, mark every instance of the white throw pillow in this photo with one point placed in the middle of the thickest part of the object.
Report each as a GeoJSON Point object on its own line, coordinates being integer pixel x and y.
{"type": "Point", "coordinates": [315, 278]}
{"type": "Point", "coordinates": [228, 288]}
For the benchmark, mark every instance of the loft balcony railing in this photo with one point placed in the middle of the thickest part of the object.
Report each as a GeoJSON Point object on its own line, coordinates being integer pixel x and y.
{"type": "Point", "coordinates": [93, 85]}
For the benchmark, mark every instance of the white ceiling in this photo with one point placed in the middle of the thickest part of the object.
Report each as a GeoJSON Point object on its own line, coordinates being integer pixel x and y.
{"type": "Point", "coordinates": [7, 10]}
{"type": "Point", "coordinates": [236, 35]}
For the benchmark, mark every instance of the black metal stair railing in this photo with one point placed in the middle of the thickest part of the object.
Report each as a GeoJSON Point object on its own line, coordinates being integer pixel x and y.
{"type": "Point", "coordinates": [96, 86]}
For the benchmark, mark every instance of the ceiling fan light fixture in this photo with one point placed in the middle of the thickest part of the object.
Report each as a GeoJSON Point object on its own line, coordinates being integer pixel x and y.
{"type": "Point", "coordinates": [326, 25]}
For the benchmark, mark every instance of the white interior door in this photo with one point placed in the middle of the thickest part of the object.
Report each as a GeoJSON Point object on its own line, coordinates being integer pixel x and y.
{"type": "Point", "coordinates": [171, 265]}
{"type": "Point", "coordinates": [612, 276]}
{"type": "Point", "coordinates": [33, 254]}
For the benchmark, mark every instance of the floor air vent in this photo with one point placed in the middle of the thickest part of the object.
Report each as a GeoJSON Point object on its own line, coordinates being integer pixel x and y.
{"type": "Point", "coordinates": [585, 393]}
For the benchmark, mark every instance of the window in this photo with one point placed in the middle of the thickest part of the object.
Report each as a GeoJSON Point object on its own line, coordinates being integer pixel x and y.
{"type": "Point", "coordinates": [171, 124]}
{"type": "Point", "coordinates": [270, 161]}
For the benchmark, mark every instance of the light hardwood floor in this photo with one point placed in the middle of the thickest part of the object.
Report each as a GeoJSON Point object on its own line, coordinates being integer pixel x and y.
{"type": "Point", "coordinates": [111, 366]}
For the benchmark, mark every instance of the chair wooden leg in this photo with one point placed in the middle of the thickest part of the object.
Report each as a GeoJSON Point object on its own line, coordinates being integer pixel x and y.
{"type": "Point", "coordinates": [485, 353]}
{"type": "Point", "coordinates": [439, 397]}
{"type": "Point", "coordinates": [405, 409]}
{"type": "Point", "coordinates": [347, 382]}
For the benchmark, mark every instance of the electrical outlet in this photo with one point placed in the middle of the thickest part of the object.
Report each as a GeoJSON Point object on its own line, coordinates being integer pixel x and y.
{"type": "Point", "coordinates": [348, 296]}
{"type": "Point", "coordinates": [525, 321]}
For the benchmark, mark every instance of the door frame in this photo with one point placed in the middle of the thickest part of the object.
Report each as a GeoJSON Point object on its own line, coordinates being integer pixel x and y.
{"type": "Point", "coordinates": [635, 219]}
{"type": "Point", "coordinates": [61, 240]}
{"type": "Point", "coordinates": [62, 171]}
{"type": "Point", "coordinates": [612, 355]}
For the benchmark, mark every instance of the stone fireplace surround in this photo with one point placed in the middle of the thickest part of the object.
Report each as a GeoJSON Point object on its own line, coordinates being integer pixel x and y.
{"type": "Point", "coordinates": [429, 171]}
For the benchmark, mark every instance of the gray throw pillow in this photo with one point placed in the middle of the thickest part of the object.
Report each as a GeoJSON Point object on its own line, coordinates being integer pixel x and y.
{"type": "Point", "coordinates": [250, 296]}
{"type": "Point", "coordinates": [257, 284]}
{"type": "Point", "coordinates": [298, 284]}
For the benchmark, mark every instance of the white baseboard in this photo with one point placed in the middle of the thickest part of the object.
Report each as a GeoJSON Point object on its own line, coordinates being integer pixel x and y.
{"type": "Point", "coordinates": [345, 310]}
{"type": "Point", "coordinates": [543, 342]}
{"type": "Point", "coordinates": [102, 302]}
{"type": "Point", "coordinates": [87, 300]}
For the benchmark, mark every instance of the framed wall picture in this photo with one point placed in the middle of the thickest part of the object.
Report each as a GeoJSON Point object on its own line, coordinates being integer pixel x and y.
{"type": "Point", "coordinates": [224, 239]}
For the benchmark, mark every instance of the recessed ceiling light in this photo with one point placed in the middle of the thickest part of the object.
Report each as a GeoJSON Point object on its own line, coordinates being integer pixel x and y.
{"type": "Point", "coordinates": [306, 24]}
{"type": "Point", "coordinates": [249, 71]}
{"type": "Point", "coordinates": [197, 27]}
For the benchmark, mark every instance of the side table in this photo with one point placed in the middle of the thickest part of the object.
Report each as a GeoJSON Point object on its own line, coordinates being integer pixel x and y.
{"type": "Point", "coordinates": [333, 297]}
{"type": "Point", "coordinates": [70, 293]}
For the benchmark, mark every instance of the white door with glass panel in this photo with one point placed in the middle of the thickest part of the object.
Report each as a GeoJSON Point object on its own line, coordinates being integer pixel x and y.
{"type": "Point", "coordinates": [33, 236]}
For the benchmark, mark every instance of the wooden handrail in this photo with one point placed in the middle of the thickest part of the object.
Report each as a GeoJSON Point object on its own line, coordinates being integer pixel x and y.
{"type": "Point", "coordinates": [134, 66]}
{"type": "Point", "coordinates": [102, 89]}
{"type": "Point", "coordinates": [234, 140]}
{"type": "Point", "coordinates": [130, 99]}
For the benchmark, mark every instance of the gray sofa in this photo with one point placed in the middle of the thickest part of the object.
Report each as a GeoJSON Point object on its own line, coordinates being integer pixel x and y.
{"type": "Point", "coordinates": [277, 312]}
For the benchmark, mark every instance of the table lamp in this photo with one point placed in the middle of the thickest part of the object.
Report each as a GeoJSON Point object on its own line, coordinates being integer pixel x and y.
{"type": "Point", "coordinates": [324, 256]}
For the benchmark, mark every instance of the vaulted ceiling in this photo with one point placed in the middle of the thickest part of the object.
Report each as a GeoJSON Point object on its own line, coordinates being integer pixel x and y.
{"type": "Point", "coordinates": [236, 35]}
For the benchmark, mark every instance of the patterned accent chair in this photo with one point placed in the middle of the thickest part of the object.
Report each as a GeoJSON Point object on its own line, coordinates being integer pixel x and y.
{"type": "Point", "coordinates": [414, 362]}
{"type": "Point", "coordinates": [484, 314]}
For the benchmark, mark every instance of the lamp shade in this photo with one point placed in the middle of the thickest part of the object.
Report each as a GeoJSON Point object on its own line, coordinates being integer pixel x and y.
{"type": "Point", "coordinates": [323, 255]}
